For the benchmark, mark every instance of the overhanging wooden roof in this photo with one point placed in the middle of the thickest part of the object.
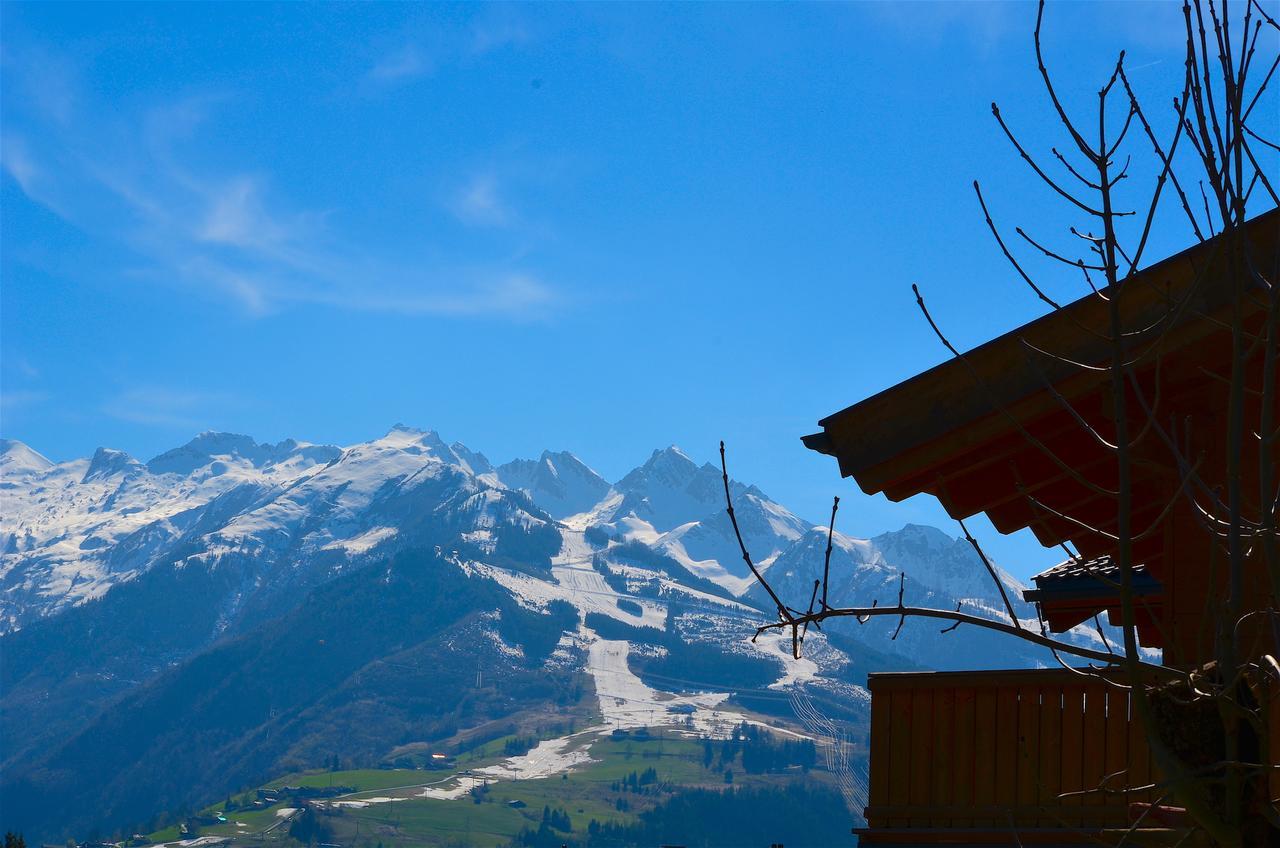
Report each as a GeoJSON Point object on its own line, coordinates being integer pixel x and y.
{"type": "Point", "coordinates": [959, 430]}
{"type": "Point", "coordinates": [1074, 591]}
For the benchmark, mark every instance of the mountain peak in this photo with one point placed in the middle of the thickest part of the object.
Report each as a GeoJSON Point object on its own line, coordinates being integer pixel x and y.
{"type": "Point", "coordinates": [939, 561]}
{"type": "Point", "coordinates": [107, 462]}
{"type": "Point", "coordinates": [201, 451]}
{"type": "Point", "coordinates": [561, 459]}
{"type": "Point", "coordinates": [670, 453]}
{"type": "Point", "coordinates": [476, 461]}
{"type": "Point", "coordinates": [403, 435]}
{"type": "Point", "coordinates": [212, 446]}
{"type": "Point", "coordinates": [558, 482]}
{"type": "Point", "coordinates": [17, 458]}
{"type": "Point", "coordinates": [920, 535]}
{"type": "Point", "coordinates": [670, 464]}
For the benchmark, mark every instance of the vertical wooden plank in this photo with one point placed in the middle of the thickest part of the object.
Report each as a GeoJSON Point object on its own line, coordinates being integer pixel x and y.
{"type": "Point", "coordinates": [944, 746]}
{"type": "Point", "coordinates": [921, 754]}
{"type": "Point", "coordinates": [1117, 752]}
{"type": "Point", "coordinates": [880, 751]}
{"type": "Point", "coordinates": [1050, 775]}
{"type": "Point", "coordinates": [962, 773]}
{"type": "Point", "coordinates": [1029, 715]}
{"type": "Point", "coordinates": [984, 747]}
{"type": "Point", "coordinates": [1072, 750]}
{"type": "Point", "coordinates": [1006, 750]}
{"type": "Point", "coordinates": [899, 753]}
{"type": "Point", "coordinates": [1140, 771]}
{"type": "Point", "coordinates": [1274, 760]}
{"type": "Point", "coordinates": [1094, 758]}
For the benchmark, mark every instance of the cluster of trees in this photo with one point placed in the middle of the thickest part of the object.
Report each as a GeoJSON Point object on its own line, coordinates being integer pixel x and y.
{"type": "Point", "coordinates": [635, 781]}
{"type": "Point", "coordinates": [517, 745]}
{"type": "Point", "coordinates": [761, 752]}
{"type": "Point", "coordinates": [557, 818]}
{"type": "Point", "coordinates": [307, 828]}
{"type": "Point", "coordinates": [241, 802]}
{"type": "Point", "coordinates": [630, 606]}
{"type": "Point", "coordinates": [550, 833]}
{"type": "Point", "coordinates": [597, 536]}
{"type": "Point", "coordinates": [731, 818]}
{"type": "Point", "coordinates": [537, 633]}
{"type": "Point", "coordinates": [528, 549]}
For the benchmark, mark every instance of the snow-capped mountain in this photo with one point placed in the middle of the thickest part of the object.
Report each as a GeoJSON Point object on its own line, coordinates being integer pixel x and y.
{"type": "Point", "coordinates": [946, 562]}
{"type": "Point", "coordinates": [71, 531]}
{"type": "Point", "coordinates": [676, 506]}
{"type": "Point", "coordinates": [18, 460]}
{"type": "Point", "coordinates": [298, 587]}
{"type": "Point", "coordinates": [559, 483]}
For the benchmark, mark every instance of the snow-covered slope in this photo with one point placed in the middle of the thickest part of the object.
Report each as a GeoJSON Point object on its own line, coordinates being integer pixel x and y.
{"type": "Point", "coordinates": [71, 531]}
{"type": "Point", "coordinates": [677, 507]}
{"type": "Point", "coordinates": [18, 460]}
{"type": "Point", "coordinates": [559, 483]}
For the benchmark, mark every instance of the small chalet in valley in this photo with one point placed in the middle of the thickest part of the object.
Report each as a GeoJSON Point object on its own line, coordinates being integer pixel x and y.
{"type": "Point", "coordinates": [992, 757]}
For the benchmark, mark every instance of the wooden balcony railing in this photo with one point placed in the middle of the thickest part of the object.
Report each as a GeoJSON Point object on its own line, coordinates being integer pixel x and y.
{"type": "Point", "coordinates": [998, 750]}
{"type": "Point", "coordinates": [960, 755]}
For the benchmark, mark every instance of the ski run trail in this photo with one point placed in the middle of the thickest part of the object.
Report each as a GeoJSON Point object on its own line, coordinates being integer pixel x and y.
{"type": "Point", "coordinates": [626, 702]}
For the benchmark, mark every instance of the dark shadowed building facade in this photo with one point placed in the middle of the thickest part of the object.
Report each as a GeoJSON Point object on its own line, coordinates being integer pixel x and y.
{"type": "Point", "coordinates": [1004, 430]}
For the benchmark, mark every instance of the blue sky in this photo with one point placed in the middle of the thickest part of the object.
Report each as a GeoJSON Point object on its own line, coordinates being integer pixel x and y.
{"type": "Point", "coordinates": [605, 228]}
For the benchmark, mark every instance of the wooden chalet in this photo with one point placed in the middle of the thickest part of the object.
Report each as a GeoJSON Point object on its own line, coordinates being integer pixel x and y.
{"type": "Point", "coordinates": [986, 757]}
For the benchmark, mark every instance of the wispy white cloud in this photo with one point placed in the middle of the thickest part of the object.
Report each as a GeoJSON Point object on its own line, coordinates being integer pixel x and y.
{"type": "Point", "coordinates": [235, 217]}
{"type": "Point", "coordinates": [22, 366]}
{"type": "Point", "coordinates": [425, 50]}
{"type": "Point", "coordinates": [479, 203]}
{"type": "Point", "coordinates": [404, 63]}
{"type": "Point", "coordinates": [515, 296]}
{"type": "Point", "coordinates": [17, 161]}
{"type": "Point", "coordinates": [502, 27]}
{"type": "Point", "coordinates": [232, 235]}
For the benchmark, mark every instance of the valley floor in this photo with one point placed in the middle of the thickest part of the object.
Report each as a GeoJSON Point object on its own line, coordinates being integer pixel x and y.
{"type": "Point", "coordinates": [493, 800]}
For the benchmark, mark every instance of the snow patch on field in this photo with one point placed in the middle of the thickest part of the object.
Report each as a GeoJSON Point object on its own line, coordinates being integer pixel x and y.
{"type": "Point", "coordinates": [548, 758]}
{"type": "Point", "coordinates": [363, 543]}
{"type": "Point", "coordinates": [776, 644]}
{"type": "Point", "coordinates": [362, 802]}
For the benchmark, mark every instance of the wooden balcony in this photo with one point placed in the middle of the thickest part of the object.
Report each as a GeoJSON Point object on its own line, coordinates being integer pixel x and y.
{"type": "Point", "coordinates": [977, 757]}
